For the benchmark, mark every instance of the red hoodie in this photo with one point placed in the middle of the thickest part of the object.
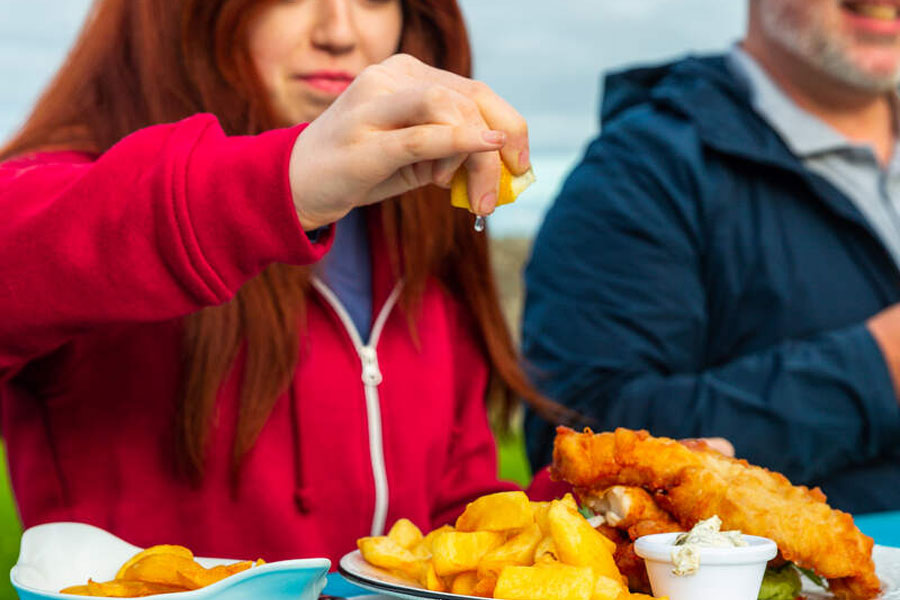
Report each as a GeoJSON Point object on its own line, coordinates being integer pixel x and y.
{"type": "Point", "coordinates": [102, 257]}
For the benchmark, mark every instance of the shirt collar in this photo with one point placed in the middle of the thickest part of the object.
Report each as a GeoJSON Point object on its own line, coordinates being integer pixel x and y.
{"type": "Point", "coordinates": [805, 134]}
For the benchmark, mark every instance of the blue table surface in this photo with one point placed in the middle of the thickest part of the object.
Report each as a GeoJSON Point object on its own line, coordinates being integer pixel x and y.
{"type": "Point", "coordinates": [338, 586]}
{"type": "Point", "coordinates": [884, 528]}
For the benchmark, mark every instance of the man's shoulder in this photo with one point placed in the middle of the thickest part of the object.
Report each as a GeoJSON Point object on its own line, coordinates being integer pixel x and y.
{"type": "Point", "coordinates": [649, 125]}
{"type": "Point", "coordinates": [641, 83]}
{"type": "Point", "coordinates": [679, 107]}
{"type": "Point", "coordinates": [647, 138]}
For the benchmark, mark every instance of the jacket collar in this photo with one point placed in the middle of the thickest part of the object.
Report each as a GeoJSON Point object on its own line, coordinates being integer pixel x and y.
{"type": "Point", "coordinates": [705, 91]}
{"type": "Point", "coordinates": [804, 133]}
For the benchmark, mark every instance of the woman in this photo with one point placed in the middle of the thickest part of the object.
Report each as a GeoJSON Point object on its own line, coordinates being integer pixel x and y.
{"type": "Point", "coordinates": [177, 366]}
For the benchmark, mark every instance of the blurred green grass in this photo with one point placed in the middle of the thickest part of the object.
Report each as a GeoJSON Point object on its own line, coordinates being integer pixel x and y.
{"type": "Point", "coordinates": [513, 460]}
{"type": "Point", "coordinates": [10, 531]}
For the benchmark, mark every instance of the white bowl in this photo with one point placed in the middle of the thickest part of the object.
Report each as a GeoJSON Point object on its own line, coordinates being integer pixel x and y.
{"type": "Point", "coordinates": [732, 573]}
{"type": "Point", "coordinates": [57, 555]}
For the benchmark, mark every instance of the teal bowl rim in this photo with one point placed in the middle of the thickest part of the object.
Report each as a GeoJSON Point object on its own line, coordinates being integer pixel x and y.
{"type": "Point", "coordinates": [304, 564]}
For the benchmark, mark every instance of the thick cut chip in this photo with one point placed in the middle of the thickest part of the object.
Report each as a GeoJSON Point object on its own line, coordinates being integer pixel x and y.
{"type": "Point", "coordinates": [507, 547]}
{"type": "Point", "coordinates": [579, 544]}
{"type": "Point", "coordinates": [384, 552]}
{"type": "Point", "coordinates": [607, 588]}
{"type": "Point", "coordinates": [464, 583]}
{"type": "Point", "coordinates": [428, 540]}
{"type": "Point", "coordinates": [458, 551]}
{"type": "Point", "coordinates": [510, 187]}
{"type": "Point", "coordinates": [77, 590]}
{"type": "Point", "coordinates": [405, 533]}
{"type": "Point", "coordinates": [198, 578]}
{"type": "Point", "coordinates": [569, 500]}
{"type": "Point", "coordinates": [518, 550]}
{"type": "Point", "coordinates": [539, 510]}
{"type": "Point", "coordinates": [168, 569]}
{"type": "Point", "coordinates": [121, 589]}
{"type": "Point", "coordinates": [431, 580]}
{"type": "Point", "coordinates": [497, 512]}
{"type": "Point", "coordinates": [552, 582]}
{"type": "Point", "coordinates": [420, 551]}
{"type": "Point", "coordinates": [546, 552]}
{"type": "Point", "coordinates": [569, 503]}
{"type": "Point", "coordinates": [485, 585]}
{"type": "Point", "coordinates": [162, 569]}
{"type": "Point", "coordinates": [160, 549]}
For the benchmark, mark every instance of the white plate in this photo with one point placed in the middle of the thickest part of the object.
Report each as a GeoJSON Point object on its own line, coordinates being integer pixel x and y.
{"type": "Point", "coordinates": [57, 555]}
{"type": "Point", "coordinates": [359, 572]}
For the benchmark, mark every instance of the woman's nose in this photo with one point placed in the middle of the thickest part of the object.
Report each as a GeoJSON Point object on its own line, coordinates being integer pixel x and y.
{"type": "Point", "coordinates": [334, 30]}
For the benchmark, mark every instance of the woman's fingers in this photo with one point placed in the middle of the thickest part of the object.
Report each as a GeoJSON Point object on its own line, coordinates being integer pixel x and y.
{"type": "Point", "coordinates": [403, 125]}
{"type": "Point", "coordinates": [503, 117]}
{"type": "Point", "coordinates": [496, 112]}
{"type": "Point", "coordinates": [433, 142]}
{"type": "Point", "coordinates": [483, 181]}
{"type": "Point", "coordinates": [446, 168]}
{"type": "Point", "coordinates": [417, 109]}
{"type": "Point", "coordinates": [415, 155]}
{"type": "Point", "coordinates": [421, 104]}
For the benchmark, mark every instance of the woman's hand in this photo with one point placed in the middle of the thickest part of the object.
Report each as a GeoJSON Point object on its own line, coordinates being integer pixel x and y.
{"type": "Point", "coordinates": [402, 125]}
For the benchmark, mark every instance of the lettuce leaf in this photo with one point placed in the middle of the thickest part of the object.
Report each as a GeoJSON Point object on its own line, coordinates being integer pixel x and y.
{"type": "Point", "coordinates": [782, 583]}
{"type": "Point", "coordinates": [811, 575]}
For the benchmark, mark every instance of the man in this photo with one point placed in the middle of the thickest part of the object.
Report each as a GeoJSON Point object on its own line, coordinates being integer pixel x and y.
{"type": "Point", "coordinates": [724, 260]}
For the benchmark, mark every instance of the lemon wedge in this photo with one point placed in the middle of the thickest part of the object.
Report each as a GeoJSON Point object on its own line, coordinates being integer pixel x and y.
{"type": "Point", "coordinates": [510, 187]}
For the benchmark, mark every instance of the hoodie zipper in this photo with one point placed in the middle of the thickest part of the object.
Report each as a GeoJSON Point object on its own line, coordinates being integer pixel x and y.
{"type": "Point", "coordinates": [371, 379]}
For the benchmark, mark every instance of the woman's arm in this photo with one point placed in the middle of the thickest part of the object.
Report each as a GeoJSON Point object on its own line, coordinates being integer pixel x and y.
{"type": "Point", "coordinates": [177, 217]}
{"type": "Point", "coordinates": [170, 220]}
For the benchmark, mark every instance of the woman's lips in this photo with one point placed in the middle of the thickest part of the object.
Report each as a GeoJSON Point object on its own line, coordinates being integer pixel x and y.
{"type": "Point", "coordinates": [330, 82]}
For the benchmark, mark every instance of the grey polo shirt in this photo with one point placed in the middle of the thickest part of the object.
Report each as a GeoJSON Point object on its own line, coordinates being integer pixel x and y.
{"type": "Point", "coordinates": [852, 168]}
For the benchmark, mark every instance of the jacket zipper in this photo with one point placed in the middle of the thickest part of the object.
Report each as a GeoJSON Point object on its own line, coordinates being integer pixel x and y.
{"type": "Point", "coordinates": [371, 379]}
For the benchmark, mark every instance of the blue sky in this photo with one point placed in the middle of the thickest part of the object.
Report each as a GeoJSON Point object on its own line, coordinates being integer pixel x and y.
{"type": "Point", "coordinates": [545, 57]}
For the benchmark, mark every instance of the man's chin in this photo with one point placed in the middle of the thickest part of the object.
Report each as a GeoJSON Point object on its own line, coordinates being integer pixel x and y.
{"type": "Point", "coordinates": [881, 66]}
{"type": "Point", "coordinates": [868, 69]}
{"type": "Point", "coordinates": [867, 78]}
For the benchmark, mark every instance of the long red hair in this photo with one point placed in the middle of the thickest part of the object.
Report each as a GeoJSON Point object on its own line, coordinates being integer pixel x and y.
{"type": "Point", "coordinates": [143, 62]}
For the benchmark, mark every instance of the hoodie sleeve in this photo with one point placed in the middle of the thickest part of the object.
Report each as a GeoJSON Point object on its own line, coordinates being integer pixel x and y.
{"type": "Point", "coordinates": [171, 219]}
{"type": "Point", "coordinates": [617, 327]}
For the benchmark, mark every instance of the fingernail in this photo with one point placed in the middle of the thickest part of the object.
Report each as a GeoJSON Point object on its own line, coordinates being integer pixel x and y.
{"type": "Point", "coordinates": [524, 158]}
{"type": "Point", "coordinates": [488, 203]}
{"type": "Point", "coordinates": [494, 137]}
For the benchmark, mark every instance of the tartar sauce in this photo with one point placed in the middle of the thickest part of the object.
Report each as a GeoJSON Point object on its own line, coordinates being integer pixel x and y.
{"type": "Point", "coordinates": [705, 534]}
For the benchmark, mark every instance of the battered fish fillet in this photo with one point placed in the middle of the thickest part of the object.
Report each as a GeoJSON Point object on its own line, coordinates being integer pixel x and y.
{"type": "Point", "coordinates": [694, 483]}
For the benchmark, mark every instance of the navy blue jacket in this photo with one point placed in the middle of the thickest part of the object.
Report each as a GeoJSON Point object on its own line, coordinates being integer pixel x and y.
{"type": "Point", "coordinates": [693, 279]}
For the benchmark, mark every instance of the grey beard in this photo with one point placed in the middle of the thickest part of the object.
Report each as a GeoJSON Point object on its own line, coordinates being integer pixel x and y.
{"type": "Point", "coordinates": [820, 51]}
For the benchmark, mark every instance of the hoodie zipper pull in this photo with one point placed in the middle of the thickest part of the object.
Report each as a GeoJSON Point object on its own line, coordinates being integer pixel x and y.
{"type": "Point", "coordinates": [371, 374]}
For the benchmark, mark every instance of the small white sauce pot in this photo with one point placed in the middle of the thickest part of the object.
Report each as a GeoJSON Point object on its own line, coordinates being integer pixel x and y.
{"type": "Point", "coordinates": [732, 573]}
